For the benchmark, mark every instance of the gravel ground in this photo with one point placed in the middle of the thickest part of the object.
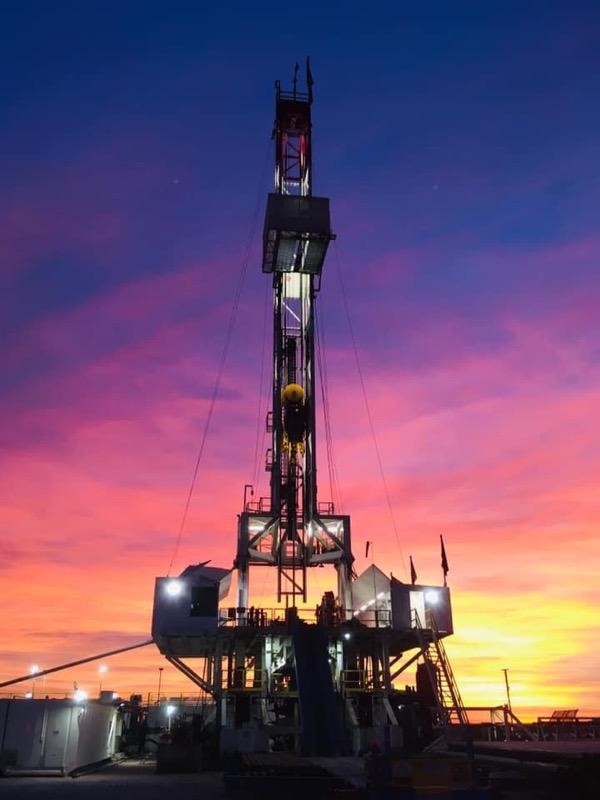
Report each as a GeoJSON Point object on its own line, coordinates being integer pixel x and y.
{"type": "Point", "coordinates": [127, 780]}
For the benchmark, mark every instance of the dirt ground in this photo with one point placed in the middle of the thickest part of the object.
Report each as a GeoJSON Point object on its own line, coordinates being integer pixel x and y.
{"type": "Point", "coordinates": [127, 780]}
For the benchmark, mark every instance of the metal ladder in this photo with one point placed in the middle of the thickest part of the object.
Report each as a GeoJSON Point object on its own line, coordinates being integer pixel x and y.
{"type": "Point", "coordinates": [450, 705]}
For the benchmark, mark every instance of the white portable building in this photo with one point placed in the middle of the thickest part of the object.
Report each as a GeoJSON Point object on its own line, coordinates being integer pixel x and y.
{"type": "Point", "coordinates": [55, 736]}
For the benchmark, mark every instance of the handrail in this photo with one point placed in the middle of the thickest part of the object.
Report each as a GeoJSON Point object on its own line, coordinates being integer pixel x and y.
{"type": "Point", "coordinates": [297, 95]}
{"type": "Point", "coordinates": [245, 678]}
{"type": "Point", "coordinates": [259, 617]}
{"type": "Point", "coordinates": [353, 679]}
{"type": "Point", "coordinates": [457, 703]}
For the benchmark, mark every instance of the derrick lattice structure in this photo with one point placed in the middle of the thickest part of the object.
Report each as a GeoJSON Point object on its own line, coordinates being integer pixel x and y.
{"type": "Point", "coordinates": [290, 529]}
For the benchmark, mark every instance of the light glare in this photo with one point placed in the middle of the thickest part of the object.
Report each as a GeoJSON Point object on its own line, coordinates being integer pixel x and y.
{"type": "Point", "coordinates": [174, 588]}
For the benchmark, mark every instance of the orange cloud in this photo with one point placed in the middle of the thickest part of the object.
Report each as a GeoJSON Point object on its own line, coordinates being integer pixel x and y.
{"type": "Point", "coordinates": [496, 450]}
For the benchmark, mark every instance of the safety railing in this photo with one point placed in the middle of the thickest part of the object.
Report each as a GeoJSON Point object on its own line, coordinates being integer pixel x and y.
{"type": "Point", "coordinates": [253, 679]}
{"type": "Point", "coordinates": [179, 699]}
{"type": "Point", "coordinates": [37, 695]}
{"type": "Point", "coordinates": [245, 679]}
{"type": "Point", "coordinates": [256, 617]}
{"type": "Point", "coordinates": [371, 617]}
{"type": "Point", "coordinates": [354, 680]}
{"type": "Point", "coordinates": [296, 95]}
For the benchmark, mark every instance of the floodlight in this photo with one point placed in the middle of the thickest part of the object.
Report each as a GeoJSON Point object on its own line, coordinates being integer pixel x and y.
{"type": "Point", "coordinates": [174, 588]}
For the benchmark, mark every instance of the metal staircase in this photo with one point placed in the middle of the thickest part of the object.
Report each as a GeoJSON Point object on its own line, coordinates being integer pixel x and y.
{"type": "Point", "coordinates": [450, 705]}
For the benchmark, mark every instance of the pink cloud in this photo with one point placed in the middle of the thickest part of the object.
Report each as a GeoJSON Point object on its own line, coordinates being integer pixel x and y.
{"type": "Point", "coordinates": [495, 450]}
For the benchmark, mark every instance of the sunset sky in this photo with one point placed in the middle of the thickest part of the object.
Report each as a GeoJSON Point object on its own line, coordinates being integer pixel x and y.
{"type": "Point", "coordinates": [459, 145]}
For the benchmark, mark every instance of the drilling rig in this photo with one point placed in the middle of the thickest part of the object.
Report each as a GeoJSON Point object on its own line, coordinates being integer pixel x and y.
{"type": "Point", "coordinates": [316, 682]}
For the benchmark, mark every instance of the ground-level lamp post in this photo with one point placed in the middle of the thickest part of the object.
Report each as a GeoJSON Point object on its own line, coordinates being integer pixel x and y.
{"type": "Point", "coordinates": [101, 670]}
{"type": "Point", "coordinates": [170, 711]}
{"type": "Point", "coordinates": [160, 672]}
{"type": "Point", "coordinates": [33, 671]}
{"type": "Point", "coordinates": [505, 671]}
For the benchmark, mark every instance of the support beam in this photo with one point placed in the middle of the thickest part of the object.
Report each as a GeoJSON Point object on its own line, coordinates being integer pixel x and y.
{"type": "Point", "coordinates": [404, 666]}
{"type": "Point", "coordinates": [191, 674]}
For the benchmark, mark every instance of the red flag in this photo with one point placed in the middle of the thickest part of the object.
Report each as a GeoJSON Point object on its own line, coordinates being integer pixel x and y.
{"type": "Point", "coordinates": [367, 549]}
{"type": "Point", "coordinates": [445, 566]}
{"type": "Point", "coordinates": [413, 572]}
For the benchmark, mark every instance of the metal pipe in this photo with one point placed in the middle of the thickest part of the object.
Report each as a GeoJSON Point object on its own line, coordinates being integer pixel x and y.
{"type": "Point", "coordinates": [77, 663]}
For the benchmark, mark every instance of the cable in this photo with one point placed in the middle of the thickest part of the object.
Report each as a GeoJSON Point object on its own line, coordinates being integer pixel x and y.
{"type": "Point", "coordinates": [261, 391]}
{"type": "Point", "coordinates": [217, 386]}
{"type": "Point", "coordinates": [368, 410]}
{"type": "Point", "coordinates": [334, 487]}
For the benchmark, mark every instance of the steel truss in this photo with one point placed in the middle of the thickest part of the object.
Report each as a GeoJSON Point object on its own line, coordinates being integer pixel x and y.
{"type": "Point", "coordinates": [288, 532]}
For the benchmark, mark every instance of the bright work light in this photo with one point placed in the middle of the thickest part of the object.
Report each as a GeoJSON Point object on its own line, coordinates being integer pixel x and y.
{"type": "Point", "coordinates": [174, 588]}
